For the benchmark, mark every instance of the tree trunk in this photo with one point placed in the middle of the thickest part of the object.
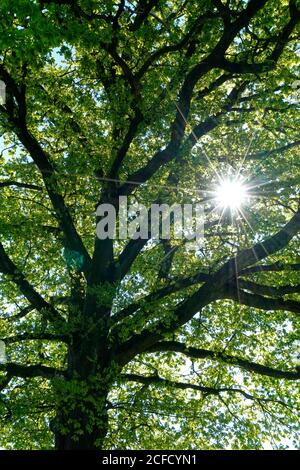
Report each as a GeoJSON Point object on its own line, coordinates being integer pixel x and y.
{"type": "Point", "coordinates": [82, 419]}
{"type": "Point", "coordinates": [92, 435]}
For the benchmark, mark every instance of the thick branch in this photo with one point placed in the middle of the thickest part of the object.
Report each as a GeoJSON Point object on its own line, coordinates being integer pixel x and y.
{"type": "Point", "coordinates": [276, 267]}
{"type": "Point", "coordinates": [262, 250]}
{"type": "Point", "coordinates": [270, 291]}
{"type": "Point", "coordinates": [35, 337]}
{"type": "Point", "coordinates": [261, 302]}
{"type": "Point", "coordinates": [18, 370]}
{"type": "Point", "coordinates": [19, 184]}
{"type": "Point", "coordinates": [142, 12]}
{"type": "Point", "coordinates": [196, 353]}
{"type": "Point", "coordinates": [156, 380]}
{"type": "Point", "coordinates": [206, 391]}
{"type": "Point", "coordinates": [36, 300]}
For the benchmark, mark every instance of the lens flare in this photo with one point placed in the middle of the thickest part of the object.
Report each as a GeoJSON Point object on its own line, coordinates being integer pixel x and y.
{"type": "Point", "coordinates": [231, 194]}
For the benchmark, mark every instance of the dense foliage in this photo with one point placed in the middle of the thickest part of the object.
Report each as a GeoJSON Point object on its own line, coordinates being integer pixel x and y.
{"type": "Point", "coordinates": [136, 343]}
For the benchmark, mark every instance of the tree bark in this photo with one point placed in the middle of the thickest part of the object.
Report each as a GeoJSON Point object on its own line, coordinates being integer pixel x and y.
{"type": "Point", "coordinates": [90, 439]}
{"type": "Point", "coordinates": [82, 419]}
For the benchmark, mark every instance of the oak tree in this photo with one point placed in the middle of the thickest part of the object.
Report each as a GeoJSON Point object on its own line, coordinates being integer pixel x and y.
{"type": "Point", "coordinates": [146, 343]}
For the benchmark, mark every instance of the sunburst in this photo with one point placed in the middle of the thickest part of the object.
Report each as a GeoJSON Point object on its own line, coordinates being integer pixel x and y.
{"type": "Point", "coordinates": [231, 193]}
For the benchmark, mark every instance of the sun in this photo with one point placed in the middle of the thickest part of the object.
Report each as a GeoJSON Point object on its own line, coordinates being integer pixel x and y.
{"type": "Point", "coordinates": [230, 194]}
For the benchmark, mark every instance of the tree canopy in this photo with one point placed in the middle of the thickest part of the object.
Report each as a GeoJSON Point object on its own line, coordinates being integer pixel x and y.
{"type": "Point", "coordinates": [146, 344]}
